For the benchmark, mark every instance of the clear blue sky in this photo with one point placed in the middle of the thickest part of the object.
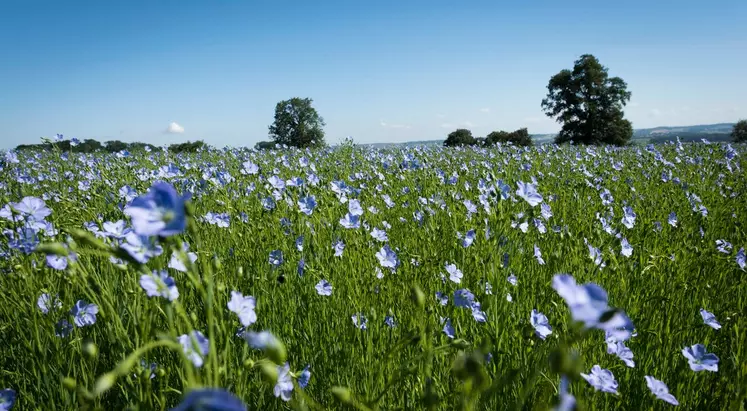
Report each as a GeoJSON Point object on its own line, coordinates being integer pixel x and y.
{"type": "Point", "coordinates": [378, 71]}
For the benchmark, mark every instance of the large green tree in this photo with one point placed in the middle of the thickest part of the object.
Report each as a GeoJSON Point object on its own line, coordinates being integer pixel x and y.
{"type": "Point", "coordinates": [519, 137]}
{"type": "Point", "coordinates": [297, 124]}
{"type": "Point", "coordinates": [460, 137]}
{"type": "Point", "coordinates": [739, 132]}
{"type": "Point", "coordinates": [589, 104]}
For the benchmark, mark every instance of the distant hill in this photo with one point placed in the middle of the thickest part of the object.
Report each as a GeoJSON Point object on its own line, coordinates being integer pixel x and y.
{"type": "Point", "coordinates": [720, 128]}
{"type": "Point", "coordinates": [711, 132]}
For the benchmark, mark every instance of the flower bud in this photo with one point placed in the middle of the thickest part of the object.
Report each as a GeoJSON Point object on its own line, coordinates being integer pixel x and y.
{"type": "Point", "coordinates": [342, 394]}
{"type": "Point", "coordinates": [104, 383]}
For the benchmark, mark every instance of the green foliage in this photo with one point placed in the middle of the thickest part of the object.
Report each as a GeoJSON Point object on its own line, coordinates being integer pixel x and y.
{"type": "Point", "coordinates": [460, 137]}
{"type": "Point", "coordinates": [297, 124]}
{"type": "Point", "coordinates": [739, 133]}
{"type": "Point", "coordinates": [265, 145]}
{"type": "Point", "coordinates": [93, 146]}
{"type": "Point", "coordinates": [519, 137]}
{"type": "Point", "coordinates": [188, 147]}
{"type": "Point", "coordinates": [589, 104]}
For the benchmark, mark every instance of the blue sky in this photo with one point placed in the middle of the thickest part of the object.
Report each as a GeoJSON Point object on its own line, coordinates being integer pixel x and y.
{"type": "Point", "coordinates": [377, 71]}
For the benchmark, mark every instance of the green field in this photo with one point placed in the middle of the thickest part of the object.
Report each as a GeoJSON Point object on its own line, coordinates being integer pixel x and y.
{"type": "Point", "coordinates": [426, 201]}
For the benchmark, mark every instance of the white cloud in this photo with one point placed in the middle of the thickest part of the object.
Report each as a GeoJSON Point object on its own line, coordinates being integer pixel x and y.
{"type": "Point", "coordinates": [399, 126]}
{"type": "Point", "coordinates": [447, 125]}
{"type": "Point", "coordinates": [485, 110]}
{"type": "Point", "coordinates": [174, 128]}
{"type": "Point", "coordinates": [655, 112]}
{"type": "Point", "coordinates": [633, 105]}
{"type": "Point", "coordinates": [468, 124]}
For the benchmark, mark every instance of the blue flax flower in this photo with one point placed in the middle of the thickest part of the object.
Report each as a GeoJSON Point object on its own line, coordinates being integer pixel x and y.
{"type": "Point", "coordinates": [32, 208]}
{"type": "Point", "coordinates": [540, 323]}
{"type": "Point", "coordinates": [159, 212]}
{"type": "Point", "coordinates": [601, 379]}
{"type": "Point", "coordinates": [660, 390]}
{"type": "Point", "coordinates": [387, 258]}
{"type": "Point", "coordinates": [304, 377]}
{"type": "Point", "coordinates": [709, 319]}
{"type": "Point", "coordinates": [284, 384]}
{"type": "Point", "coordinates": [323, 288]}
{"type": "Point", "coordinates": [159, 284]}
{"type": "Point", "coordinates": [699, 359]}
{"type": "Point", "coordinates": [7, 399]}
{"type": "Point", "coordinates": [244, 307]}
{"type": "Point", "coordinates": [528, 192]}
{"type": "Point", "coordinates": [210, 399]}
{"type": "Point", "coordinates": [84, 314]}
{"type": "Point", "coordinates": [195, 347]}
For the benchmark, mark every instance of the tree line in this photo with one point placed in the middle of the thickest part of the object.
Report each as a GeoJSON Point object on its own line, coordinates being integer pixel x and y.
{"type": "Point", "coordinates": [113, 146]}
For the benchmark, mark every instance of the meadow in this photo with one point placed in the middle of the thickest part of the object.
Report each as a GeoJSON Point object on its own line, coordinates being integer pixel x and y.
{"type": "Point", "coordinates": [394, 279]}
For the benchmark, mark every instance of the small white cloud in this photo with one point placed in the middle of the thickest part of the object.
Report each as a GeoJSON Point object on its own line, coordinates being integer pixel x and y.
{"type": "Point", "coordinates": [387, 125]}
{"type": "Point", "coordinates": [174, 128]}
{"type": "Point", "coordinates": [468, 124]}
{"type": "Point", "coordinates": [485, 110]}
{"type": "Point", "coordinates": [655, 112]}
{"type": "Point", "coordinates": [633, 105]}
{"type": "Point", "coordinates": [447, 125]}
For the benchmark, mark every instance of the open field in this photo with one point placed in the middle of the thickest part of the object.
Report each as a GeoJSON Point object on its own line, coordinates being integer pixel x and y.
{"type": "Point", "coordinates": [409, 276]}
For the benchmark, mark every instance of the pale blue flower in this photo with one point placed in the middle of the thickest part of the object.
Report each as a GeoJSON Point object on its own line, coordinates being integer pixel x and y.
{"type": "Point", "coordinates": [195, 347]}
{"type": "Point", "coordinates": [455, 274]}
{"type": "Point", "coordinates": [463, 298]}
{"type": "Point", "coordinates": [63, 328]}
{"type": "Point", "coordinates": [699, 359]}
{"type": "Point", "coordinates": [629, 217]}
{"type": "Point", "coordinates": [627, 249]}
{"type": "Point", "coordinates": [379, 235]}
{"type": "Point", "coordinates": [323, 288]}
{"type": "Point", "coordinates": [528, 192]}
{"type": "Point", "coordinates": [160, 211]}
{"type": "Point", "coordinates": [84, 314]}
{"type": "Point", "coordinates": [159, 284]}
{"type": "Point", "coordinates": [210, 399]}
{"type": "Point", "coordinates": [350, 221]}
{"type": "Point", "coordinates": [360, 321]}
{"type": "Point", "coordinates": [672, 219]}
{"type": "Point", "coordinates": [601, 379]}
{"type": "Point", "coordinates": [469, 238]}
{"type": "Point", "coordinates": [540, 323]}
{"type": "Point", "coordinates": [387, 258]}
{"type": "Point", "coordinates": [660, 390]}
{"type": "Point", "coordinates": [709, 319]}
{"type": "Point", "coordinates": [261, 340]}
{"type": "Point", "coordinates": [304, 377]}
{"type": "Point", "coordinates": [538, 255]}
{"type": "Point", "coordinates": [442, 298]}
{"type": "Point", "coordinates": [449, 329]}
{"type": "Point", "coordinates": [354, 207]}
{"type": "Point", "coordinates": [7, 399]}
{"type": "Point", "coordinates": [46, 303]}
{"type": "Point", "coordinates": [243, 306]}
{"type": "Point", "coordinates": [307, 204]}
{"type": "Point", "coordinates": [276, 258]}
{"type": "Point", "coordinates": [284, 384]}
{"type": "Point", "coordinates": [339, 246]}
{"type": "Point", "coordinates": [567, 400]}
{"type": "Point", "coordinates": [32, 208]}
